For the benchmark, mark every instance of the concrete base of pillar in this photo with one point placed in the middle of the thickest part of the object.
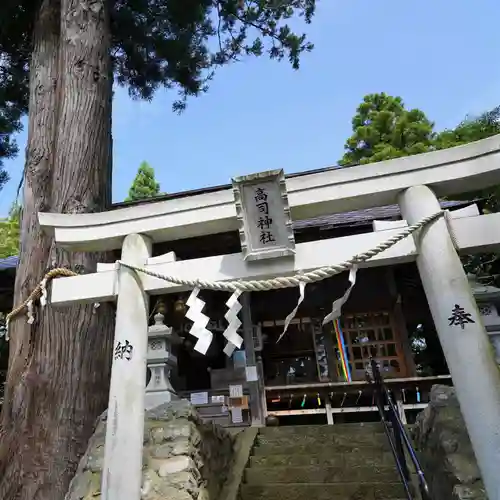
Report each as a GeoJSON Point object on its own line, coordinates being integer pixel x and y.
{"type": "Point", "coordinates": [154, 399]}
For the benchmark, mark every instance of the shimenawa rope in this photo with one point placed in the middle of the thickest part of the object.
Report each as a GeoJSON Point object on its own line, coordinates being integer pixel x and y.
{"type": "Point", "coordinates": [289, 281]}
{"type": "Point", "coordinates": [244, 286]}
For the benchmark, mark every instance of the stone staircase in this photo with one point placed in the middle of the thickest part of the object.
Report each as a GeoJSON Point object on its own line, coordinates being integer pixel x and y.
{"type": "Point", "coordinates": [337, 462]}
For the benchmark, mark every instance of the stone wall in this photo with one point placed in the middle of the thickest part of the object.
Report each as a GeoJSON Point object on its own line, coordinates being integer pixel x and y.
{"type": "Point", "coordinates": [184, 459]}
{"type": "Point", "coordinates": [445, 450]}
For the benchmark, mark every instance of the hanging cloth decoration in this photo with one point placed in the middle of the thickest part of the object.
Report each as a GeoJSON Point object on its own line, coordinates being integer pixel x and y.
{"type": "Point", "coordinates": [200, 322]}
{"type": "Point", "coordinates": [288, 319]}
{"type": "Point", "coordinates": [234, 340]}
{"type": "Point", "coordinates": [344, 362]}
{"type": "Point", "coordinates": [337, 304]}
{"type": "Point", "coordinates": [31, 317]}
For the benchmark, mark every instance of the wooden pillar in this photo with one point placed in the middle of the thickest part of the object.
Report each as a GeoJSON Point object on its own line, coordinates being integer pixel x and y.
{"type": "Point", "coordinates": [122, 470]}
{"type": "Point", "coordinates": [257, 418]}
{"type": "Point", "coordinates": [262, 387]}
{"type": "Point", "coordinates": [400, 324]}
{"type": "Point", "coordinates": [331, 355]}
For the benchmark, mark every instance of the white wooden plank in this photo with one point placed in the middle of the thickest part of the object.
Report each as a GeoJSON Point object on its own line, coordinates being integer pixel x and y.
{"type": "Point", "coordinates": [383, 225]}
{"type": "Point", "coordinates": [477, 234]}
{"type": "Point", "coordinates": [85, 289]}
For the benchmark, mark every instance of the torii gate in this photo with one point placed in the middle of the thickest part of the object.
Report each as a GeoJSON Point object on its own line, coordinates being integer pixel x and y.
{"type": "Point", "coordinates": [413, 182]}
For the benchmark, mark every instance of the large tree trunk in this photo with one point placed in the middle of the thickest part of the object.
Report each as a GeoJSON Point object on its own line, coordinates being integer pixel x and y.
{"type": "Point", "coordinates": [59, 367]}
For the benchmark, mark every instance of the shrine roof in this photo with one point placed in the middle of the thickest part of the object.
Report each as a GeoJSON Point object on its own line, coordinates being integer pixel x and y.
{"type": "Point", "coordinates": [8, 263]}
{"type": "Point", "coordinates": [363, 217]}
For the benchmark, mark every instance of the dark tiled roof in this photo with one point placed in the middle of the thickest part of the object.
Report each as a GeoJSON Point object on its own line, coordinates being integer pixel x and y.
{"type": "Point", "coordinates": [345, 219]}
{"type": "Point", "coordinates": [363, 217]}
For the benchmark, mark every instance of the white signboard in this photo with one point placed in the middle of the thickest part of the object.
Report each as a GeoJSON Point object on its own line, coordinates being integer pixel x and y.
{"type": "Point", "coordinates": [251, 373]}
{"type": "Point", "coordinates": [219, 399]}
{"type": "Point", "coordinates": [263, 215]}
{"type": "Point", "coordinates": [199, 398]}
{"type": "Point", "coordinates": [236, 415]}
{"type": "Point", "coordinates": [235, 391]}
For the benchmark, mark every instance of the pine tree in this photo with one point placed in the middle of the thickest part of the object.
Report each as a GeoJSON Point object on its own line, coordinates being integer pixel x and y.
{"type": "Point", "coordinates": [61, 57]}
{"type": "Point", "coordinates": [144, 185]}
{"type": "Point", "coordinates": [383, 129]}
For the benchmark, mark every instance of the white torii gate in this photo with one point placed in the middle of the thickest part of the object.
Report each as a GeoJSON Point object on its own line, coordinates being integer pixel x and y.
{"type": "Point", "coordinates": [414, 182]}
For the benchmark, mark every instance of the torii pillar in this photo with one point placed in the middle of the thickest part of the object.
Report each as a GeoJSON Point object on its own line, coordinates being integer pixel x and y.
{"type": "Point", "coordinates": [122, 470]}
{"type": "Point", "coordinates": [466, 346]}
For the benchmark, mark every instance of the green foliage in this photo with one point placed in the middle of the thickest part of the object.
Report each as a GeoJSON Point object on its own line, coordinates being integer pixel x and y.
{"type": "Point", "coordinates": [383, 129]}
{"type": "Point", "coordinates": [10, 233]}
{"type": "Point", "coordinates": [177, 44]}
{"type": "Point", "coordinates": [9, 124]}
{"type": "Point", "coordinates": [469, 130]}
{"type": "Point", "coordinates": [144, 185]}
{"type": "Point", "coordinates": [13, 82]}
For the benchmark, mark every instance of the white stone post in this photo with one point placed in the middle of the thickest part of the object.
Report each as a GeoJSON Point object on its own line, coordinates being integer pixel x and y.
{"type": "Point", "coordinates": [160, 362]}
{"type": "Point", "coordinates": [463, 337]}
{"type": "Point", "coordinates": [122, 471]}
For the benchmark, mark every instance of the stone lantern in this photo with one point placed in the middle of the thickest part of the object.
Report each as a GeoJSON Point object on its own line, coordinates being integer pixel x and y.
{"type": "Point", "coordinates": [160, 361]}
{"type": "Point", "coordinates": [488, 302]}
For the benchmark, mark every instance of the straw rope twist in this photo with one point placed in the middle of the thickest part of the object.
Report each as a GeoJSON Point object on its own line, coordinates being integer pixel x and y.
{"type": "Point", "coordinates": [251, 285]}
{"type": "Point", "coordinates": [57, 272]}
{"type": "Point", "coordinates": [290, 281]}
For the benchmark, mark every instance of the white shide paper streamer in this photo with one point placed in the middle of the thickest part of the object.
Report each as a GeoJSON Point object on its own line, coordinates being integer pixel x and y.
{"type": "Point", "coordinates": [337, 304]}
{"type": "Point", "coordinates": [234, 340]}
{"type": "Point", "coordinates": [200, 322]}
{"type": "Point", "coordinates": [288, 319]}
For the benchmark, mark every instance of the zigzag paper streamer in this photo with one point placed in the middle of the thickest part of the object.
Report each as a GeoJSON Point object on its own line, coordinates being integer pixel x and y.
{"type": "Point", "coordinates": [200, 321]}
{"type": "Point", "coordinates": [234, 340]}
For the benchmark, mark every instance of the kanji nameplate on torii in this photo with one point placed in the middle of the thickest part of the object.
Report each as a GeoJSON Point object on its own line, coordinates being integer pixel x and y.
{"type": "Point", "coordinates": [263, 213]}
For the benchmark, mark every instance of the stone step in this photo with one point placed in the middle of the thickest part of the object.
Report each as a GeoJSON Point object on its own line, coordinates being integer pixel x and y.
{"type": "Point", "coordinates": [211, 409]}
{"type": "Point", "coordinates": [222, 419]}
{"type": "Point", "coordinates": [338, 457]}
{"type": "Point", "coordinates": [367, 427]}
{"type": "Point", "coordinates": [319, 448]}
{"type": "Point", "coordinates": [315, 474]}
{"type": "Point", "coordinates": [286, 441]}
{"type": "Point", "coordinates": [323, 491]}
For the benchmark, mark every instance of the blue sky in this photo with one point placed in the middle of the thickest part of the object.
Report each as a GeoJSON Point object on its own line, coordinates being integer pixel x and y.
{"type": "Point", "coordinates": [440, 56]}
